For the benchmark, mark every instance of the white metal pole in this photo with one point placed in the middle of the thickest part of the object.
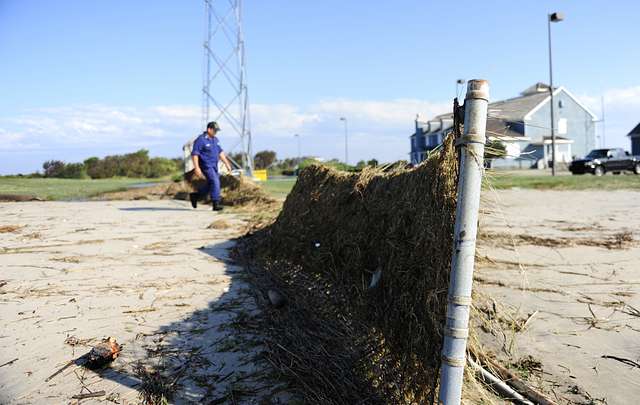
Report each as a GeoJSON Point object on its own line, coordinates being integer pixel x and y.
{"type": "Point", "coordinates": [456, 329]}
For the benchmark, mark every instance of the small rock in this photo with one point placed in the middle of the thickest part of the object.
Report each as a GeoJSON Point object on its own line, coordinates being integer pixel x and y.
{"type": "Point", "coordinates": [103, 353]}
{"type": "Point", "coordinates": [276, 299]}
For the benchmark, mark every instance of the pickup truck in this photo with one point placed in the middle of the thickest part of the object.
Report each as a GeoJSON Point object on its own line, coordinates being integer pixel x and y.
{"type": "Point", "coordinates": [601, 161]}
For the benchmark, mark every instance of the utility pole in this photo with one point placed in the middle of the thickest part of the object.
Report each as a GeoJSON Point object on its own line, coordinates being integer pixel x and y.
{"type": "Point", "coordinates": [456, 330]}
{"type": "Point", "coordinates": [604, 144]}
{"type": "Point", "coordinates": [346, 142]}
{"type": "Point", "coordinates": [554, 17]}
{"type": "Point", "coordinates": [225, 97]}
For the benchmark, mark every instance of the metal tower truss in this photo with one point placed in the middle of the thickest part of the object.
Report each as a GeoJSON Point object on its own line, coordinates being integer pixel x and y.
{"type": "Point", "coordinates": [224, 79]}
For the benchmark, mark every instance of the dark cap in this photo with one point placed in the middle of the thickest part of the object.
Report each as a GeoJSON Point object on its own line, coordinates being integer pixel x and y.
{"type": "Point", "coordinates": [213, 125]}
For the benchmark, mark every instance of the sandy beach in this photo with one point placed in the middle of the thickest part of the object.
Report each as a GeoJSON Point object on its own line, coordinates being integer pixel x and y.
{"type": "Point", "coordinates": [568, 260]}
{"type": "Point", "coordinates": [150, 274]}
{"type": "Point", "coordinates": [561, 266]}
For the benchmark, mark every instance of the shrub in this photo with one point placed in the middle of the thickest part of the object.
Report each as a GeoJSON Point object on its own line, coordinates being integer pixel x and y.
{"type": "Point", "coordinates": [159, 167]}
{"type": "Point", "coordinates": [73, 171]}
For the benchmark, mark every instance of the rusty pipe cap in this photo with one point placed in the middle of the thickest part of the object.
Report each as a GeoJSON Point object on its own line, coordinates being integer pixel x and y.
{"type": "Point", "coordinates": [478, 89]}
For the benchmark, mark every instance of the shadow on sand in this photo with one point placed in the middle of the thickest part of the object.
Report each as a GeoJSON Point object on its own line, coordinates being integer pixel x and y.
{"type": "Point", "coordinates": [154, 209]}
{"type": "Point", "coordinates": [202, 358]}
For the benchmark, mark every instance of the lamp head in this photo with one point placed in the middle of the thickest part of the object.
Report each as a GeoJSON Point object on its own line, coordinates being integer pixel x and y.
{"type": "Point", "coordinates": [556, 17]}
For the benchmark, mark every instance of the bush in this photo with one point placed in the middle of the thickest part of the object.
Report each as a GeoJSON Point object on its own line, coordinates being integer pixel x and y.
{"type": "Point", "coordinates": [73, 171]}
{"type": "Point", "coordinates": [159, 167]}
{"type": "Point", "coordinates": [53, 168]}
{"type": "Point", "coordinates": [264, 159]}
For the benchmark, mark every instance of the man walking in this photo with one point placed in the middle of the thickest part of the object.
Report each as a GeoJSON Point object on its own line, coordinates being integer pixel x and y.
{"type": "Point", "coordinates": [205, 155]}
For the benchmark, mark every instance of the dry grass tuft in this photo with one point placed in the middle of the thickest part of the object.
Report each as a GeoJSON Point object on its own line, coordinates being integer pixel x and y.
{"type": "Point", "coordinates": [155, 388]}
{"type": "Point", "coordinates": [220, 224]}
{"type": "Point", "coordinates": [363, 260]}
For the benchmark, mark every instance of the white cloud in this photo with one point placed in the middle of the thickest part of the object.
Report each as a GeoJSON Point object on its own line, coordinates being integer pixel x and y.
{"type": "Point", "coordinates": [399, 112]}
{"type": "Point", "coordinates": [281, 119]}
{"type": "Point", "coordinates": [618, 99]}
{"type": "Point", "coordinates": [117, 126]}
{"type": "Point", "coordinates": [377, 128]}
{"type": "Point", "coordinates": [178, 112]}
{"type": "Point", "coordinates": [12, 141]}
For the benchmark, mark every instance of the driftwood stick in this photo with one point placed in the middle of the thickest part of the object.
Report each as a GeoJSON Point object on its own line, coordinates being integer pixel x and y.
{"type": "Point", "coordinates": [9, 362]}
{"type": "Point", "coordinates": [89, 395]}
{"type": "Point", "coordinates": [79, 361]}
{"type": "Point", "coordinates": [519, 385]}
{"type": "Point", "coordinates": [626, 361]}
{"type": "Point", "coordinates": [60, 370]}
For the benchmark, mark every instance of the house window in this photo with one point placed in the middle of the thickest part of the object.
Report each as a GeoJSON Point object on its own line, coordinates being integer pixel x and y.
{"type": "Point", "coordinates": [433, 140]}
{"type": "Point", "coordinates": [560, 104]}
{"type": "Point", "coordinates": [562, 126]}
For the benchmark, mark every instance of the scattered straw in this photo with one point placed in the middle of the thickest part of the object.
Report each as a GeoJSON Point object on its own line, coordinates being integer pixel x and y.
{"type": "Point", "coordinates": [619, 240]}
{"type": "Point", "coordinates": [10, 228]}
{"type": "Point", "coordinates": [220, 224]}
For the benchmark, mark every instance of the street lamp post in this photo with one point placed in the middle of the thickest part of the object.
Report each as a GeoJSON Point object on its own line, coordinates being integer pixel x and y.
{"type": "Point", "coordinates": [553, 17]}
{"type": "Point", "coordinates": [299, 154]}
{"type": "Point", "coordinates": [459, 83]}
{"type": "Point", "coordinates": [346, 143]}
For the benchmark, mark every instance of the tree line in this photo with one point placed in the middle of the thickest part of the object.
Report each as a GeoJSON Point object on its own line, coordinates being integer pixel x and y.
{"type": "Point", "coordinates": [137, 164]}
{"type": "Point", "coordinates": [267, 159]}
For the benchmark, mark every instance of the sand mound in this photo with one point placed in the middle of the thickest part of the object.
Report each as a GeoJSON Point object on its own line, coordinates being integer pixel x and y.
{"type": "Point", "coordinates": [235, 192]}
{"type": "Point", "coordinates": [363, 260]}
{"type": "Point", "coordinates": [17, 198]}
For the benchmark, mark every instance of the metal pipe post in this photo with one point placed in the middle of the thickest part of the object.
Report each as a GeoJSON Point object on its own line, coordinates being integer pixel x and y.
{"type": "Point", "coordinates": [456, 330]}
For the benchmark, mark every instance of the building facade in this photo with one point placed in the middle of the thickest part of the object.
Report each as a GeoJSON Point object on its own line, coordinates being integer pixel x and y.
{"type": "Point", "coordinates": [634, 136]}
{"type": "Point", "coordinates": [522, 125]}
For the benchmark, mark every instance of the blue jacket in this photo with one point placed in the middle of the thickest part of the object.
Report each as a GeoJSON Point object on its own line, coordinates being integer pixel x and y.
{"type": "Point", "coordinates": [208, 149]}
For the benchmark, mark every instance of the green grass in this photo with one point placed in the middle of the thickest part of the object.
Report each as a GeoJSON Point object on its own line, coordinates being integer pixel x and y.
{"type": "Point", "coordinates": [506, 180]}
{"type": "Point", "coordinates": [64, 189]}
{"type": "Point", "coordinates": [279, 188]}
{"type": "Point", "coordinates": [515, 179]}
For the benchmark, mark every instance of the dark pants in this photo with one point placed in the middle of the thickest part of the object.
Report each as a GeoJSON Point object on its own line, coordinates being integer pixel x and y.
{"type": "Point", "coordinates": [213, 184]}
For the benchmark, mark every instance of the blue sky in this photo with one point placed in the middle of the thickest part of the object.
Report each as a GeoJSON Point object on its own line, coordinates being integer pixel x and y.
{"type": "Point", "coordinates": [83, 78]}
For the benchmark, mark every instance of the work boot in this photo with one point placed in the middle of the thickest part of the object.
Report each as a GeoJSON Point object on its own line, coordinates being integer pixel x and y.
{"type": "Point", "coordinates": [217, 206]}
{"type": "Point", "coordinates": [194, 199]}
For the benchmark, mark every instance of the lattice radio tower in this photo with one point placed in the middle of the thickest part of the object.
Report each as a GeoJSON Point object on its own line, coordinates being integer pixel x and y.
{"type": "Point", "coordinates": [224, 79]}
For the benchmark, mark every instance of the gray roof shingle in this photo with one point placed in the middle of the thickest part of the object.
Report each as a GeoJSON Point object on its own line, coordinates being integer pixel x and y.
{"type": "Point", "coordinates": [514, 109]}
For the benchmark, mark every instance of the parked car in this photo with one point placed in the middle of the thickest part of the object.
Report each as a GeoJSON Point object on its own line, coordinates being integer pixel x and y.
{"type": "Point", "coordinates": [601, 161]}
